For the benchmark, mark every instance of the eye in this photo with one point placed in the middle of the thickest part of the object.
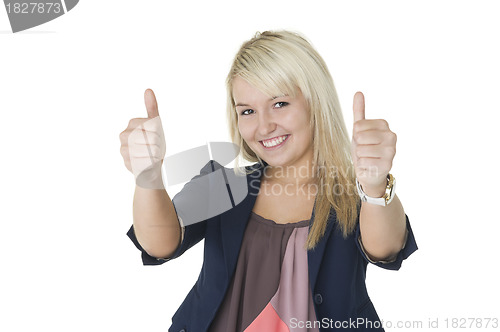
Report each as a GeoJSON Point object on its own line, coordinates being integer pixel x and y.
{"type": "Point", "coordinates": [280, 104]}
{"type": "Point", "coordinates": [243, 112]}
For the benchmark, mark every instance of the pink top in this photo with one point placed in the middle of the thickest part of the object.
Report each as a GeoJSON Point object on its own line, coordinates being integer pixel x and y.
{"type": "Point", "coordinates": [270, 287]}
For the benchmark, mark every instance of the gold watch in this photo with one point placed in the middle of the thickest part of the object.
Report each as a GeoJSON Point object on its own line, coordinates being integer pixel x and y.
{"type": "Point", "coordinates": [390, 191]}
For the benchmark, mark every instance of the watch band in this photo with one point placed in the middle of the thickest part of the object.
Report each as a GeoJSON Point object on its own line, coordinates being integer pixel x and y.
{"type": "Point", "coordinates": [390, 190]}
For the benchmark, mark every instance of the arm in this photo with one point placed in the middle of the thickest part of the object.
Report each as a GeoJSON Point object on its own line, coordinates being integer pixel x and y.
{"type": "Point", "coordinates": [156, 225]}
{"type": "Point", "coordinates": [382, 228]}
{"type": "Point", "coordinates": [157, 221]}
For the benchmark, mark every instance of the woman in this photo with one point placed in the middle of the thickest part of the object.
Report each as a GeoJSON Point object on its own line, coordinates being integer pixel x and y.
{"type": "Point", "coordinates": [293, 254]}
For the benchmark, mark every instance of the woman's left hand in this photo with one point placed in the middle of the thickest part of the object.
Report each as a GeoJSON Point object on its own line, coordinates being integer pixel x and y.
{"type": "Point", "coordinates": [373, 148]}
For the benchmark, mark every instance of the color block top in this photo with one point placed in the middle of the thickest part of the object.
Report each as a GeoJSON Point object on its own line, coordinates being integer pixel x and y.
{"type": "Point", "coordinates": [270, 287]}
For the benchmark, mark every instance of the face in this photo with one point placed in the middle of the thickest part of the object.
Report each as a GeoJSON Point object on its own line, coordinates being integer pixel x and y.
{"type": "Point", "coordinates": [276, 128]}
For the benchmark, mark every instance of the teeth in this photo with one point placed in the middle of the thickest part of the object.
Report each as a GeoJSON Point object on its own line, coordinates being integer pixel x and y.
{"type": "Point", "coordinates": [274, 142]}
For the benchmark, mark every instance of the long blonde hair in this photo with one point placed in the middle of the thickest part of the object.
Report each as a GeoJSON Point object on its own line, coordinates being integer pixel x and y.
{"type": "Point", "coordinates": [283, 62]}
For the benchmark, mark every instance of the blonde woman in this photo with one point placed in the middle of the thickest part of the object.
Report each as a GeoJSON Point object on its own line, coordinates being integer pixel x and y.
{"type": "Point", "coordinates": [292, 256]}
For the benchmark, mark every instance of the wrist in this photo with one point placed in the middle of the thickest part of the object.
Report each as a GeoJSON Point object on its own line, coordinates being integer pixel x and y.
{"type": "Point", "coordinates": [150, 178]}
{"type": "Point", "coordinates": [374, 191]}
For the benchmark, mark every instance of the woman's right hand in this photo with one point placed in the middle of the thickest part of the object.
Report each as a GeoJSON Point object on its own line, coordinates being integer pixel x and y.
{"type": "Point", "coordinates": [143, 146]}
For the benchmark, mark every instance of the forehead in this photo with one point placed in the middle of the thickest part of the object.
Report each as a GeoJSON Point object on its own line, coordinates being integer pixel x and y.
{"type": "Point", "coordinates": [243, 91]}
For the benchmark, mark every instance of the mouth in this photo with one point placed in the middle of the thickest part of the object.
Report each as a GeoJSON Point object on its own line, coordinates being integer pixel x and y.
{"type": "Point", "coordinates": [274, 143]}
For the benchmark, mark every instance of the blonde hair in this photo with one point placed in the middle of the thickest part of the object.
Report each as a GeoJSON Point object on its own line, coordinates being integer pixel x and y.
{"type": "Point", "coordinates": [284, 62]}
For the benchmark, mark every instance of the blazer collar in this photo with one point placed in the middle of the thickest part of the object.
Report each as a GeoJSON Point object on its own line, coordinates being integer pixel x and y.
{"type": "Point", "coordinates": [234, 221]}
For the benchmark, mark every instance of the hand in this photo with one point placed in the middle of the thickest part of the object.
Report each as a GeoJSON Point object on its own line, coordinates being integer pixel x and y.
{"type": "Point", "coordinates": [373, 148]}
{"type": "Point", "coordinates": [143, 146]}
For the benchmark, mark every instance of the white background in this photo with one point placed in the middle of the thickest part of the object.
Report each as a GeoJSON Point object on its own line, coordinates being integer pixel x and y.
{"type": "Point", "coordinates": [69, 87]}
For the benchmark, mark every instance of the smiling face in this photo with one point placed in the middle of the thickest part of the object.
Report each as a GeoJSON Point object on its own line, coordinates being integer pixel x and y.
{"type": "Point", "coordinates": [275, 128]}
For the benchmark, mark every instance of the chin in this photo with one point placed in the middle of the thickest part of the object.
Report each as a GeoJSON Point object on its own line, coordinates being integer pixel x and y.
{"type": "Point", "coordinates": [276, 162]}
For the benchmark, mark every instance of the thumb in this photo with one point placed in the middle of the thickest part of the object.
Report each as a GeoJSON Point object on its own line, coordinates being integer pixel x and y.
{"type": "Point", "coordinates": [359, 106]}
{"type": "Point", "coordinates": [151, 104]}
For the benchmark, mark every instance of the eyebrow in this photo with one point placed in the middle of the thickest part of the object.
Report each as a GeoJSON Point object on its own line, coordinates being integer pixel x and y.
{"type": "Point", "coordinates": [242, 104]}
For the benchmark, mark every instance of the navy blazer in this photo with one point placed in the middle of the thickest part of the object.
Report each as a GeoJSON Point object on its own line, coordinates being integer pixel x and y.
{"type": "Point", "coordinates": [337, 267]}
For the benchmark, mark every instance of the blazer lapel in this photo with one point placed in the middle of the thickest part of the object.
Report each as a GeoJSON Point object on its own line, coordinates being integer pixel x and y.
{"type": "Point", "coordinates": [315, 256]}
{"type": "Point", "coordinates": [234, 221]}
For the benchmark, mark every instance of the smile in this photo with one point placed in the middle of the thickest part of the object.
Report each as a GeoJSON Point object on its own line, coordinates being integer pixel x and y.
{"type": "Point", "coordinates": [274, 142]}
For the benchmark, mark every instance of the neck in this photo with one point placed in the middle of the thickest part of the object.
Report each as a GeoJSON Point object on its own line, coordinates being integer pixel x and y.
{"type": "Point", "coordinates": [298, 174]}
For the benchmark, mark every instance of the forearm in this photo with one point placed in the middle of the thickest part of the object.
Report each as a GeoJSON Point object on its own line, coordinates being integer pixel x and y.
{"type": "Point", "coordinates": [156, 225]}
{"type": "Point", "coordinates": [383, 228]}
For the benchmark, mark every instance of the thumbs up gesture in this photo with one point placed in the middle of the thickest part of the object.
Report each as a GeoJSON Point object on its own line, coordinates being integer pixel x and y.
{"type": "Point", "coordinates": [143, 146]}
{"type": "Point", "coordinates": [373, 148]}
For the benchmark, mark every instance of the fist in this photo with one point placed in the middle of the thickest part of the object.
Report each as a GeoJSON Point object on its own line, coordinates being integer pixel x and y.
{"type": "Point", "coordinates": [373, 148]}
{"type": "Point", "coordinates": [143, 146]}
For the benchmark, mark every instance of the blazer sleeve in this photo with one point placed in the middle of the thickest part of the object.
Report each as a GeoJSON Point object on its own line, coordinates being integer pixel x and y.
{"type": "Point", "coordinates": [409, 247]}
{"type": "Point", "coordinates": [192, 234]}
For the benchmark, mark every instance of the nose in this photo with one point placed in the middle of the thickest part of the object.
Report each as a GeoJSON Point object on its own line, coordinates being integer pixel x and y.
{"type": "Point", "coordinates": [267, 124]}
